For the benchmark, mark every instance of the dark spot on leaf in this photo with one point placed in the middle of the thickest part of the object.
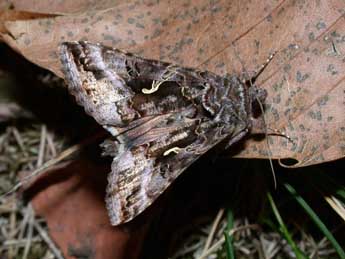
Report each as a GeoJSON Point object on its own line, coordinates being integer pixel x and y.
{"type": "Point", "coordinates": [140, 16]}
{"type": "Point", "coordinates": [311, 36]}
{"type": "Point", "coordinates": [220, 65]}
{"type": "Point", "coordinates": [156, 20]}
{"type": "Point", "coordinates": [139, 25]}
{"type": "Point", "coordinates": [293, 46]}
{"type": "Point", "coordinates": [195, 20]}
{"type": "Point", "coordinates": [278, 86]}
{"type": "Point", "coordinates": [320, 25]}
{"type": "Point", "coordinates": [27, 41]}
{"type": "Point", "coordinates": [131, 20]}
{"type": "Point", "coordinates": [53, 54]}
{"type": "Point", "coordinates": [132, 42]}
{"type": "Point", "coordinates": [108, 37]}
{"type": "Point", "coordinates": [189, 41]}
{"type": "Point", "coordinates": [257, 43]}
{"type": "Point", "coordinates": [275, 114]}
{"type": "Point", "coordinates": [323, 100]}
{"type": "Point", "coordinates": [331, 69]}
{"type": "Point", "coordinates": [131, 7]}
{"type": "Point", "coordinates": [165, 22]}
{"type": "Point", "coordinates": [315, 115]}
{"type": "Point", "coordinates": [85, 251]}
{"type": "Point", "coordinates": [156, 33]}
{"type": "Point", "coordinates": [301, 78]}
{"type": "Point", "coordinates": [335, 34]}
{"type": "Point", "coordinates": [287, 67]}
{"type": "Point", "coordinates": [320, 158]}
{"type": "Point", "coordinates": [269, 18]}
{"type": "Point", "coordinates": [277, 99]}
{"type": "Point", "coordinates": [316, 52]}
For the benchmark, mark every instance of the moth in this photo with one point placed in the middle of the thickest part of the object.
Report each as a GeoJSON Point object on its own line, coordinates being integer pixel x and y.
{"type": "Point", "coordinates": [162, 117]}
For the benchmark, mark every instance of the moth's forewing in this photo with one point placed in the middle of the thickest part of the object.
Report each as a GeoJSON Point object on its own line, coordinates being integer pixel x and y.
{"type": "Point", "coordinates": [163, 116]}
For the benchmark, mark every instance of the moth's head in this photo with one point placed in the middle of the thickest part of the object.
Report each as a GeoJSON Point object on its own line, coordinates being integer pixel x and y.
{"type": "Point", "coordinates": [257, 94]}
{"type": "Point", "coordinates": [257, 97]}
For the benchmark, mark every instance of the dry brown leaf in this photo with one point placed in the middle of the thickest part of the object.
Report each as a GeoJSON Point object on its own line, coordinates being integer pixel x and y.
{"type": "Point", "coordinates": [71, 199]}
{"type": "Point", "coordinates": [11, 15]}
{"type": "Point", "coordinates": [59, 7]}
{"type": "Point", "coordinates": [305, 80]}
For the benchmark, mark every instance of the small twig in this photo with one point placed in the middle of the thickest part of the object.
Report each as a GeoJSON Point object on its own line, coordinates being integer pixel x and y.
{"type": "Point", "coordinates": [51, 144]}
{"type": "Point", "coordinates": [20, 242]}
{"type": "Point", "coordinates": [218, 244]}
{"type": "Point", "coordinates": [20, 142]}
{"type": "Point", "coordinates": [337, 206]}
{"type": "Point", "coordinates": [22, 227]}
{"type": "Point", "coordinates": [42, 146]}
{"type": "Point", "coordinates": [213, 229]}
{"type": "Point", "coordinates": [48, 255]}
{"type": "Point", "coordinates": [4, 138]}
{"type": "Point", "coordinates": [44, 235]}
{"type": "Point", "coordinates": [30, 211]}
{"type": "Point", "coordinates": [187, 250]}
{"type": "Point", "coordinates": [12, 232]}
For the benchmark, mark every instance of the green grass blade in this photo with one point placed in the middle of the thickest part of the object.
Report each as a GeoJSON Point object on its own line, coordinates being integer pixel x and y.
{"type": "Point", "coordinates": [230, 253]}
{"type": "Point", "coordinates": [229, 247]}
{"type": "Point", "coordinates": [316, 220]}
{"type": "Point", "coordinates": [298, 253]}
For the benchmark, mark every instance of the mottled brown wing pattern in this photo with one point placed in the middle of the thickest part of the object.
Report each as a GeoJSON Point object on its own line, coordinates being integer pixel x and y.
{"type": "Point", "coordinates": [162, 116]}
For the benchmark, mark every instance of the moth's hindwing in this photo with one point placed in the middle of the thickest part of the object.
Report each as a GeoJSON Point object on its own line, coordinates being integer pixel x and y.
{"type": "Point", "coordinates": [162, 116]}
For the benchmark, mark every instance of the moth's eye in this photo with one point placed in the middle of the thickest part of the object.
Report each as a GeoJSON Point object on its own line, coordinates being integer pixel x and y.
{"type": "Point", "coordinates": [261, 94]}
{"type": "Point", "coordinates": [257, 94]}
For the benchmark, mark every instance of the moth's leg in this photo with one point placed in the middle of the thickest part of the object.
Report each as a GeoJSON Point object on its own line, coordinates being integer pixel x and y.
{"type": "Point", "coordinates": [236, 138]}
{"type": "Point", "coordinates": [259, 127]}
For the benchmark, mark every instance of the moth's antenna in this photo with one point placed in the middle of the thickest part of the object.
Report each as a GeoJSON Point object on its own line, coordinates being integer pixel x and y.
{"type": "Point", "coordinates": [267, 143]}
{"type": "Point", "coordinates": [281, 133]}
{"type": "Point", "coordinates": [262, 67]}
{"type": "Point", "coordinates": [257, 74]}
